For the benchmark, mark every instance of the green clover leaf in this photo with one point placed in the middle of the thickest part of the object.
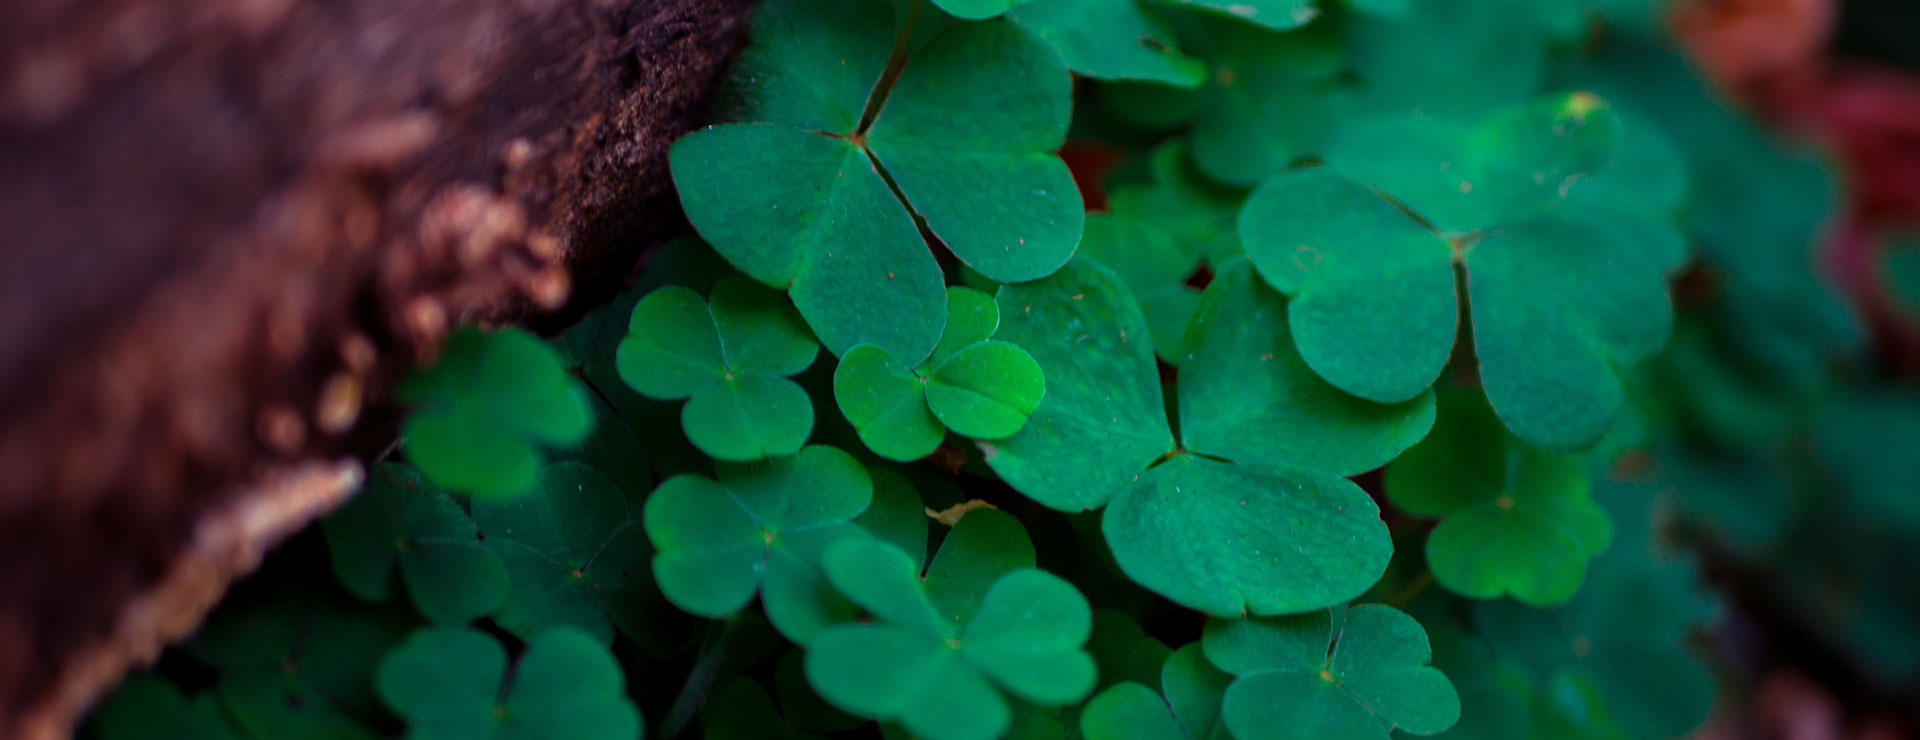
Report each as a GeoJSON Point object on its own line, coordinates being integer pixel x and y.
{"type": "Point", "coordinates": [1248, 512]}
{"type": "Point", "coordinates": [576, 556]}
{"type": "Point", "coordinates": [1557, 304]}
{"type": "Point", "coordinates": [1278, 15]}
{"type": "Point", "coordinates": [1155, 267]}
{"type": "Point", "coordinates": [295, 660]}
{"type": "Point", "coordinates": [484, 406]}
{"type": "Point", "coordinates": [975, 386]}
{"type": "Point", "coordinates": [452, 684]}
{"type": "Point", "coordinates": [401, 520]}
{"type": "Point", "coordinates": [1190, 709]}
{"type": "Point", "coordinates": [148, 708]}
{"type": "Point", "coordinates": [1110, 40]}
{"type": "Point", "coordinates": [759, 529]}
{"type": "Point", "coordinates": [1305, 677]}
{"type": "Point", "coordinates": [941, 650]}
{"type": "Point", "coordinates": [1270, 100]}
{"type": "Point", "coordinates": [729, 357]}
{"type": "Point", "coordinates": [1514, 520]}
{"type": "Point", "coordinates": [798, 196]}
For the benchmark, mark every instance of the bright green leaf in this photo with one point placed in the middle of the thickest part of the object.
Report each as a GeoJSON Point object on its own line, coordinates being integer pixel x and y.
{"type": "Point", "coordinates": [886, 402]}
{"type": "Point", "coordinates": [986, 391]}
{"type": "Point", "coordinates": [485, 407]}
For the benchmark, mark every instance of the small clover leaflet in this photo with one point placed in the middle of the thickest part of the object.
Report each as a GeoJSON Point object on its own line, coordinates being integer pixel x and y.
{"type": "Point", "coordinates": [1190, 709]}
{"type": "Point", "coordinates": [1246, 512]}
{"type": "Point", "coordinates": [1515, 520]}
{"type": "Point", "coordinates": [576, 556]}
{"type": "Point", "coordinates": [759, 529]}
{"type": "Point", "coordinates": [1306, 677]}
{"type": "Point", "coordinates": [1558, 304]}
{"type": "Point", "coordinates": [451, 684]}
{"type": "Point", "coordinates": [729, 357]}
{"type": "Point", "coordinates": [942, 652]}
{"type": "Point", "coordinates": [798, 197]}
{"type": "Point", "coordinates": [973, 385]}
{"type": "Point", "coordinates": [484, 406]}
{"type": "Point", "coordinates": [401, 521]}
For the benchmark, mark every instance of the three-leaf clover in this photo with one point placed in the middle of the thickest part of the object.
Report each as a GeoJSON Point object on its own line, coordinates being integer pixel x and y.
{"type": "Point", "coordinates": [1189, 710]}
{"type": "Point", "coordinates": [798, 195]}
{"type": "Point", "coordinates": [1246, 512]}
{"type": "Point", "coordinates": [943, 649]}
{"type": "Point", "coordinates": [1368, 247]}
{"type": "Point", "coordinates": [401, 520]}
{"type": "Point", "coordinates": [1356, 676]}
{"type": "Point", "coordinates": [576, 556]}
{"type": "Point", "coordinates": [729, 356]}
{"type": "Point", "coordinates": [1515, 520]}
{"type": "Point", "coordinates": [971, 384]}
{"type": "Point", "coordinates": [485, 405]}
{"type": "Point", "coordinates": [451, 684]}
{"type": "Point", "coordinates": [760, 528]}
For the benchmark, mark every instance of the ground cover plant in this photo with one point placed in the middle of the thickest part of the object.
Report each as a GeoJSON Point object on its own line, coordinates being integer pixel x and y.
{"type": "Point", "coordinates": [1338, 391]}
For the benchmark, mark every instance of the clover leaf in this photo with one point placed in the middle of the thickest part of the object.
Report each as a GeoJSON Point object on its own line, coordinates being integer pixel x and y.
{"type": "Point", "coordinates": [1190, 709]}
{"type": "Point", "coordinates": [1557, 304]}
{"type": "Point", "coordinates": [452, 684]}
{"type": "Point", "coordinates": [1155, 267]}
{"type": "Point", "coordinates": [148, 708]}
{"type": "Point", "coordinates": [401, 520]}
{"type": "Point", "coordinates": [760, 528]}
{"type": "Point", "coordinates": [1247, 512]}
{"type": "Point", "coordinates": [729, 357]}
{"type": "Point", "coordinates": [484, 406]}
{"type": "Point", "coordinates": [970, 384]}
{"type": "Point", "coordinates": [943, 648]}
{"type": "Point", "coordinates": [1279, 15]}
{"type": "Point", "coordinates": [576, 556]}
{"type": "Point", "coordinates": [294, 660]}
{"type": "Point", "coordinates": [1354, 676]}
{"type": "Point", "coordinates": [798, 194]}
{"type": "Point", "coordinates": [1270, 100]}
{"type": "Point", "coordinates": [1110, 40]}
{"type": "Point", "coordinates": [1515, 520]}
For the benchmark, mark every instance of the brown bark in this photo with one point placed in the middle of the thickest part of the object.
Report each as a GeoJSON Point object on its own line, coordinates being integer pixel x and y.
{"type": "Point", "coordinates": [229, 225]}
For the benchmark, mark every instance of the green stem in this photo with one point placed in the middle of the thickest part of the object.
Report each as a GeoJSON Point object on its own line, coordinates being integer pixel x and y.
{"type": "Point", "coordinates": [700, 680]}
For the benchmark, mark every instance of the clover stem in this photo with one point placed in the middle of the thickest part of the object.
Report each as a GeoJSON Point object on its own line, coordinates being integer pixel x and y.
{"type": "Point", "coordinates": [896, 61]}
{"type": "Point", "coordinates": [700, 679]}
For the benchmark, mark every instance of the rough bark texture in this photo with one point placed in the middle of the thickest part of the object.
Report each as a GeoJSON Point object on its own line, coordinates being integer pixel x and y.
{"type": "Point", "coordinates": [230, 224]}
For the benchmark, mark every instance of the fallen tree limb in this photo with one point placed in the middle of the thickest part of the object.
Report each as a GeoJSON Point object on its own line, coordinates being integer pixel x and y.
{"type": "Point", "coordinates": [231, 225]}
